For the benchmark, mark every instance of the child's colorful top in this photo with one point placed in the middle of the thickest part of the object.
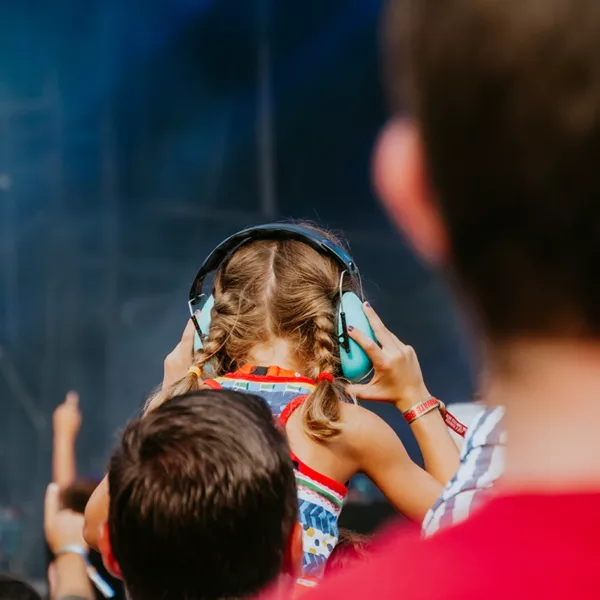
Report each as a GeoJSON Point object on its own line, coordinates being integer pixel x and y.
{"type": "Point", "coordinates": [320, 498]}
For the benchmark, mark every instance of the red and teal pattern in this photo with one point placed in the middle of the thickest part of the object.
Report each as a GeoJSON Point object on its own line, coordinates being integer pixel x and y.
{"type": "Point", "coordinates": [320, 498]}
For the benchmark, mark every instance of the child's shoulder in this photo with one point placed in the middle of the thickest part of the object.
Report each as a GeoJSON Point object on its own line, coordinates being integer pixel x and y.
{"type": "Point", "coordinates": [354, 415]}
{"type": "Point", "coordinates": [360, 425]}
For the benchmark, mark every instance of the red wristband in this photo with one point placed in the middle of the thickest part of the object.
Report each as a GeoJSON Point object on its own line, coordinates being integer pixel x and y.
{"type": "Point", "coordinates": [429, 405]}
{"type": "Point", "coordinates": [420, 409]}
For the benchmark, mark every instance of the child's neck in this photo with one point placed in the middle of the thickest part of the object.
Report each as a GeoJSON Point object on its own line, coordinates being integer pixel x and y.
{"type": "Point", "coordinates": [275, 353]}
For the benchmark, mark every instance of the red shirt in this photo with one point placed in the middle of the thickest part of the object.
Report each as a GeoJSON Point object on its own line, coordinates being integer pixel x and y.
{"type": "Point", "coordinates": [527, 546]}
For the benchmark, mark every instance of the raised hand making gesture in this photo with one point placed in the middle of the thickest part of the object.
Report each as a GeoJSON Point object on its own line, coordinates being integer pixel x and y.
{"type": "Point", "coordinates": [63, 528]}
{"type": "Point", "coordinates": [66, 422]}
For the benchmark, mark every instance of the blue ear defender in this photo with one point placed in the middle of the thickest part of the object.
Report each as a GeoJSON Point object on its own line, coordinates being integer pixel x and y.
{"type": "Point", "coordinates": [203, 321]}
{"type": "Point", "coordinates": [355, 364]}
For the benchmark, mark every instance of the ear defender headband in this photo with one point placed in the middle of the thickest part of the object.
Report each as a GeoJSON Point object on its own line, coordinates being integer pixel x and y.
{"type": "Point", "coordinates": [354, 361]}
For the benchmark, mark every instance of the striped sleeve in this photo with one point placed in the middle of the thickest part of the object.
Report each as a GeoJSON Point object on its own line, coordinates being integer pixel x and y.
{"type": "Point", "coordinates": [482, 462]}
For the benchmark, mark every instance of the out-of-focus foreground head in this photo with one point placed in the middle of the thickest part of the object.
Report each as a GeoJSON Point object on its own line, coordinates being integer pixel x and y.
{"type": "Point", "coordinates": [496, 173]}
{"type": "Point", "coordinates": [203, 501]}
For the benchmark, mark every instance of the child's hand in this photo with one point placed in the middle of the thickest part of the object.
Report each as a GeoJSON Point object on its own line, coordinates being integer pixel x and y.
{"type": "Point", "coordinates": [398, 378]}
{"type": "Point", "coordinates": [67, 417]}
{"type": "Point", "coordinates": [179, 360]}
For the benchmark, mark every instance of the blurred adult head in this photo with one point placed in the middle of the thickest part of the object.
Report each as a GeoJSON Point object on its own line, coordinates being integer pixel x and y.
{"type": "Point", "coordinates": [496, 175]}
{"type": "Point", "coordinates": [203, 500]}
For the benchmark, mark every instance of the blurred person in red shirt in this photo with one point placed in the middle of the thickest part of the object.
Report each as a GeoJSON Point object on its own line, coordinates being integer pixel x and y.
{"type": "Point", "coordinates": [495, 181]}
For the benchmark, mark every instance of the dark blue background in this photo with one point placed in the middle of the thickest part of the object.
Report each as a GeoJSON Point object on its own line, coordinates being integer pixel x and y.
{"type": "Point", "coordinates": [129, 148]}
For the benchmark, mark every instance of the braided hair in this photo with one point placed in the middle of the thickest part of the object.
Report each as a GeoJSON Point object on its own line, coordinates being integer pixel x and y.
{"type": "Point", "coordinates": [277, 290]}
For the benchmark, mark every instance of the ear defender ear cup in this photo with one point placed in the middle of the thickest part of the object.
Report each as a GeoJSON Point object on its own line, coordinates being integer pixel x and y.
{"type": "Point", "coordinates": [356, 365]}
{"type": "Point", "coordinates": [203, 322]}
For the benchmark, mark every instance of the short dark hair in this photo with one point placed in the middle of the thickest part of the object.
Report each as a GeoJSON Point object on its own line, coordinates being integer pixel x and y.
{"type": "Point", "coordinates": [507, 97]}
{"type": "Point", "coordinates": [12, 588]}
{"type": "Point", "coordinates": [202, 498]}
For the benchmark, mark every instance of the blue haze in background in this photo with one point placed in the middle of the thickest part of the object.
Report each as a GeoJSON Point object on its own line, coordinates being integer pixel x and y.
{"type": "Point", "coordinates": [130, 144]}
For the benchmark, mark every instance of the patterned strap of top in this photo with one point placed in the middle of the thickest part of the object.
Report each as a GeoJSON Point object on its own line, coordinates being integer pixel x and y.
{"type": "Point", "coordinates": [276, 375]}
{"type": "Point", "coordinates": [302, 467]}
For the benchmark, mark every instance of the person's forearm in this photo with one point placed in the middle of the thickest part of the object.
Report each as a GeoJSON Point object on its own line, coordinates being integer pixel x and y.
{"type": "Point", "coordinates": [64, 470]}
{"type": "Point", "coordinates": [71, 578]}
{"type": "Point", "coordinates": [441, 456]}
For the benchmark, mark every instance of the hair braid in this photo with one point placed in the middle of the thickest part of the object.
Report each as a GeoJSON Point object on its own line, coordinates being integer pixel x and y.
{"type": "Point", "coordinates": [272, 290]}
{"type": "Point", "coordinates": [321, 411]}
{"type": "Point", "coordinates": [210, 359]}
{"type": "Point", "coordinates": [325, 345]}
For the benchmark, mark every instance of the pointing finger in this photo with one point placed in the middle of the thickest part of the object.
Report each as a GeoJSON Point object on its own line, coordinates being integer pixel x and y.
{"type": "Point", "coordinates": [72, 399]}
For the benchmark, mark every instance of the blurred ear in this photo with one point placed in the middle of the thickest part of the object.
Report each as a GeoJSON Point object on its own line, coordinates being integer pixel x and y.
{"type": "Point", "coordinates": [105, 549]}
{"type": "Point", "coordinates": [96, 512]}
{"type": "Point", "coordinates": [402, 182]}
{"type": "Point", "coordinates": [294, 553]}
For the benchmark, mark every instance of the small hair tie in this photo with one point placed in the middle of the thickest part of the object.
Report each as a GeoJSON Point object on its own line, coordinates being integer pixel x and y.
{"type": "Point", "coordinates": [325, 377]}
{"type": "Point", "coordinates": [194, 370]}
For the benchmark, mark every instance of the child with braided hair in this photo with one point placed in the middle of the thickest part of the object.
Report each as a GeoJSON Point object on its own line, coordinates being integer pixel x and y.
{"type": "Point", "coordinates": [273, 332]}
